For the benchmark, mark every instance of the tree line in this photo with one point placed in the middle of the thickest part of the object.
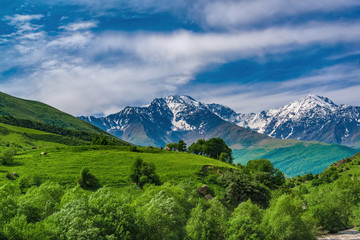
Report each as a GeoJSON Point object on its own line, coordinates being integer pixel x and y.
{"type": "Point", "coordinates": [215, 148]}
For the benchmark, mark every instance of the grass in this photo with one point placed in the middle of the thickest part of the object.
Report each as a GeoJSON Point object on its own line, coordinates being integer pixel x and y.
{"type": "Point", "coordinates": [296, 158]}
{"type": "Point", "coordinates": [40, 112]}
{"type": "Point", "coordinates": [110, 164]}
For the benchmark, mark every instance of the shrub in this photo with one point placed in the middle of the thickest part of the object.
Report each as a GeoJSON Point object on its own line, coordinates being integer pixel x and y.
{"type": "Point", "coordinates": [7, 157]}
{"type": "Point", "coordinates": [133, 148]}
{"type": "Point", "coordinates": [9, 176]}
{"type": "Point", "coordinates": [143, 173]}
{"type": "Point", "coordinates": [88, 180]}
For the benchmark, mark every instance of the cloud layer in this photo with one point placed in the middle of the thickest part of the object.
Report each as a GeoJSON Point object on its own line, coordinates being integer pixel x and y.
{"type": "Point", "coordinates": [85, 68]}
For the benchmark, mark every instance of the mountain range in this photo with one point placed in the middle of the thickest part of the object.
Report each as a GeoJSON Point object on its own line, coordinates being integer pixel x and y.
{"type": "Point", "coordinates": [172, 118]}
{"type": "Point", "coordinates": [313, 118]}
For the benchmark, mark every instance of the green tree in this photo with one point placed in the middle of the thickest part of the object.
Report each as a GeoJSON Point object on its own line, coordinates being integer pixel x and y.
{"type": "Point", "coordinates": [8, 203]}
{"type": "Point", "coordinates": [332, 205]}
{"type": "Point", "coordinates": [181, 146]}
{"type": "Point", "coordinates": [263, 170]}
{"type": "Point", "coordinates": [143, 173]}
{"type": "Point", "coordinates": [163, 218]}
{"type": "Point", "coordinates": [207, 221]}
{"type": "Point", "coordinates": [172, 146]}
{"type": "Point", "coordinates": [240, 187]}
{"type": "Point", "coordinates": [284, 220]}
{"type": "Point", "coordinates": [215, 148]}
{"type": "Point", "coordinates": [7, 158]}
{"type": "Point", "coordinates": [40, 202]}
{"type": "Point", "coordinates": [198, 148]}
{"type": "Point", "coordinates": [244, 223]}
{"type": "Point", "coordinates": [88, 180]}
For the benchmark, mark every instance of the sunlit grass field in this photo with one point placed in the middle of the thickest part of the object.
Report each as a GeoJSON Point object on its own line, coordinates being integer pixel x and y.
{"type": "Point", "coordinates": [110, 164]}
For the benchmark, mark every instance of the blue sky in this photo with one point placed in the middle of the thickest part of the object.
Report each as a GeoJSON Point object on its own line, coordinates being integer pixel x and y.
{"type": "Point", "coordinates": [96, 57]}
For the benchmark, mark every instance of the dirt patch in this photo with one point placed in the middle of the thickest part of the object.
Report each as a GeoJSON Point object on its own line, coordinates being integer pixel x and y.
{"type": "Point", "coordinates": [350, 234]}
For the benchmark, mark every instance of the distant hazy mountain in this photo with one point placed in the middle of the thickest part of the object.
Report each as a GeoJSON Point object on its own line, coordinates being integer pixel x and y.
{"type": "Point", "coordinates": [313, 118]}
{"type": "Point", "coordinates": [181, 117]}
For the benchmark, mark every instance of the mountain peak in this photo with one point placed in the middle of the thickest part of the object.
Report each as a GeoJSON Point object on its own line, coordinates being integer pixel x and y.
{"type": "Point", "coordinates": [317, 98]}
{"type": "Point", "coordinates": [181, 99]}
{"type": "Point", "coordinates": [307, 103]}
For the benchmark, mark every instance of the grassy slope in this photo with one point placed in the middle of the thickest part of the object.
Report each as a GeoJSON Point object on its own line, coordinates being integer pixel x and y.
{"type": "Point", "coordinates": [40, 112]}
{"type": "Point", "coordinates": [295, 157]}
{"type": "Point", "coordinates": [110, 164]}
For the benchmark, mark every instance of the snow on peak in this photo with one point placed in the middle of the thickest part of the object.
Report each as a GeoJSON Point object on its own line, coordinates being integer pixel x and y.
{"type": "Point", "coordinates": [181, 107]}
{"type": "Point", "coordinates": [304, 106]}
{"type": "Point", "coordinates": [324, 101]}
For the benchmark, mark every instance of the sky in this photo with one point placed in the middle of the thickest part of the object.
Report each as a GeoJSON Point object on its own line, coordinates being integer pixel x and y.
{"type": "Point", "coordinates": [94, 57]}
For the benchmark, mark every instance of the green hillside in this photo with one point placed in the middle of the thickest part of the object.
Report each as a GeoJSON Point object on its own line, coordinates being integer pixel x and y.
{"type": "Point", "coordinates": [43, 200]}
{"type": "Point", "coordinates": [294, 157]}
{"type": "Point", "coordinates": [40, 112]}
{"type": "Point", "coordinates": [63, 163]}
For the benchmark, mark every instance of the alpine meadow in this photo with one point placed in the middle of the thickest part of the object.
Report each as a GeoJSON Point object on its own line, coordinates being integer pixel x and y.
{"type": "Point", "coordinates": [179, 120]}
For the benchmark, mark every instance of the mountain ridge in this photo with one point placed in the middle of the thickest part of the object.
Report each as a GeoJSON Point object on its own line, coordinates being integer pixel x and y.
{"type": "Point", "coordinates": [169, 119]}
{"type": "Point", "coordinates": [313, 118]}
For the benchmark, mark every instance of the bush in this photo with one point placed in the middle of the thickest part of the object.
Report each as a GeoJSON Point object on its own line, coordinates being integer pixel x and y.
{"type": "Point", "coordinates": [9, 176]}
{"type": "Point", "coordinates": [133, 148]}
{"type": "Point", "coordinates": [240, 187]}
{"type": "Point", "coordinates": [245, 222]}
{"type": "Point", "coordinates": [7, 158]}
{"type": "Point", "coordinates": [207, 221]}
{"type": "Point", "coordinates": [284, 220]}
{"type": "Point", "coordinates": [88, 180]}
{"type": "Point", "coordinates": [143, 173]}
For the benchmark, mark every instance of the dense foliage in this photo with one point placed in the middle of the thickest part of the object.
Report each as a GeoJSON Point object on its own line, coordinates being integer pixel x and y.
{"type": "Point", "coordinates": [254, 201]}
{"type": "Point", "coordinates": [215, 148]}
{"type": "Point", "coordinates": [143, 173]}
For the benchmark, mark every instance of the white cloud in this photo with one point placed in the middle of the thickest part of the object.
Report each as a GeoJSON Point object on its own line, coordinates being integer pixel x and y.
{"type": "Point", "coordinates": [66, 75]}
{"type": "Point", "coordinates": [230, 14]}
{"type": "Point", "coordinates": [211, 47]}
{"type": "Point", "coordinates": [340, 83]}
{"type": "Point", "coordinates": [74, 40]}
{"type": "Point", "coordinates": [17, 18]}
{"type": "Point", "coordinates": [76, 26]}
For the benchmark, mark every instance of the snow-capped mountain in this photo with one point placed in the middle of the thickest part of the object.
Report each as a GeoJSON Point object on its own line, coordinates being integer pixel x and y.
{"type": "Point", "coordinates": [165, 120]}
{"type": "Point", "coordinates": [173, 118]}
{"type": "Point", "coordinates": [313, 118]}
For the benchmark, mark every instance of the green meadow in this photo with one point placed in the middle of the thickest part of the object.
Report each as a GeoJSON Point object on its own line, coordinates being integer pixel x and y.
{"type": "Point", "coordinates": [110, 164]}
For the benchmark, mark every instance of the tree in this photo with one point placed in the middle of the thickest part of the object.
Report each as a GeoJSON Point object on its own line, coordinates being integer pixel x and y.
{"type": "Point", "coordinates": [172, 146]}
{"type": "Point", "coordinates": [284, 220]}
{"type": "Point", "coordinates": [143, 173]}
{"type": "Point", "coordinates": [198, 148]}
{"type": "Point", "coordinates": [215, 148]}
{"type": "Point", "coordinates": [332, 205]}
{"type": "Point", "coordinates": [240, 187]}
{"type": "Point", "coordinates": [88, 180]}
{"type": "Point", "coordinates": [7, 157]}
{"type": "Point", "coordinates": [244, 223]}
{"type": "Point", "coordinates": [263, 170]}
{"type": "Point", "coordinates": [181, 146]}
{"type": "Point", "coordinates": [163, 218]}
{"type": "Point", "coordinates": [207, 221]}
{"type": "Point", "coordinates": [41, 202]}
